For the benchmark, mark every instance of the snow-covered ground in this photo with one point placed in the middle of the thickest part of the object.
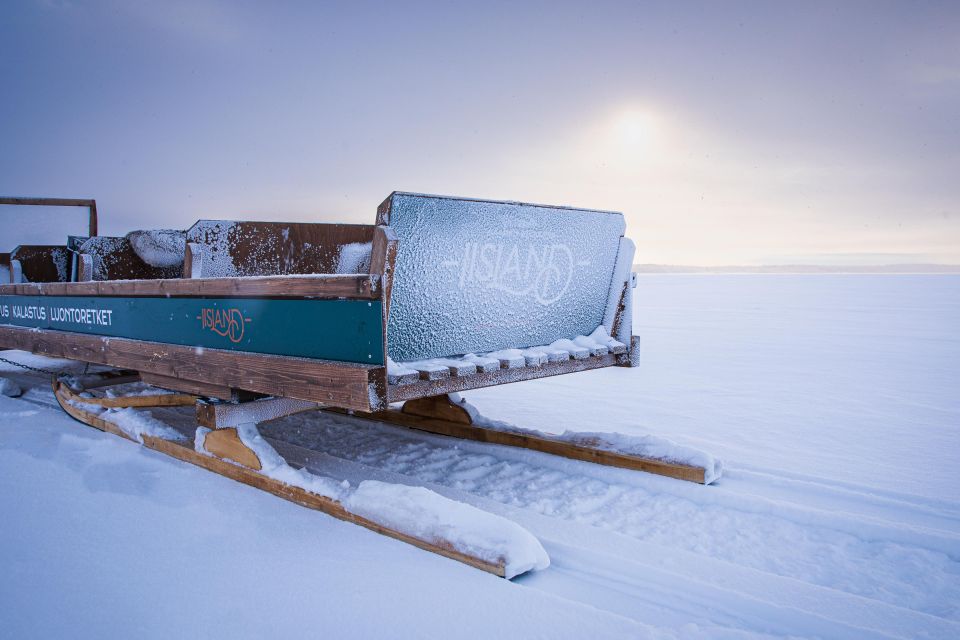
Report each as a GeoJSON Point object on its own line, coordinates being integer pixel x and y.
{"type": "Point", "coordinates": [834, 401]}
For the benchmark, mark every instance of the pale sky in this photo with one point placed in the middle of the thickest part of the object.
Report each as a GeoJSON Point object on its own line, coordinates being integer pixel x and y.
{"type": "Point", "coordinates": [727, 133]}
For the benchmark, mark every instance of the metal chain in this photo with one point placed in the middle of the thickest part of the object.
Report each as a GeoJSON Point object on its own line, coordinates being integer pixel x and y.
{"type": "Point", "coordinates": [38, 370]}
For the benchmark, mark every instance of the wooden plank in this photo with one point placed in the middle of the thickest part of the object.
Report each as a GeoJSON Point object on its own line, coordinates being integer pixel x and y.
{"type": "Point", "coordinates": [258, 248]}
{"type": "Point", "coordinates": [512, 362]}
{"type": "Point", "coordinates": [483, 364]}
{"type": "Point", "coordinates": [193, 261]}
{"type": "Point", "coordinates": [383, 257]}
{"type": "Point", "coordinates": [338, 384]}
{"type": "Point", "coordinates": [84, 267]}
{"type": "Point", "coordinates": [193, 387]}
{"type": "Point", "coordinates": [557, 355]}
{"type": "Point", "coordinates": [360, 286]}
{"type": "Point", "coordinates": [402, 378]}
{"type": "Point", "coordinates": [156, 400]}
{"type": "Point", "coordinates": [544, 444]}
{"type": "Point", "coordinates": [438, 407]}
{"type": "Point", "coordinates": [225, 443]}
{"type": "Point", "coordinates": [423, 388]}
{"type": "Point", "coordinates": [50, 202]}
{"type": "Point", "coordinates": [43, 263]}
{"type": "Point", "coordinates": [114, 258]}
{"type": "Point", "coordinates": [250, 477]}
{"type": "Point", "coordinates": [535, 357]}
{"type": "Point", "coordinates": [429, 370]}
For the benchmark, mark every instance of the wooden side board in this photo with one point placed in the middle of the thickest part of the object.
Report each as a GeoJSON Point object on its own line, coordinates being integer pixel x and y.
{"type": "Point", "coordinates": [254, 248]}
{"type": "Point", "coordinates": [43, 263]}
{"type": "Point", "coordinates": [337, 384]}
{"type": "Point", "coordinates": [354, 286]}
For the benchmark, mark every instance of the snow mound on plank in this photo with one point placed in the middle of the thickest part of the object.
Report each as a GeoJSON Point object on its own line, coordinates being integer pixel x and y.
{"type": "Point", "coordinates": [354, 257]}
{"type": "Point", "coordinates": [413, 511]}
{"type": "Point", "coordinates": [428, 516]}
{"type": "Point", "coordinates": [137, 424]}
{"type": "Point", "coordinates": [648, 446]}
{"type": "Point", "coordinates": [159, 247]}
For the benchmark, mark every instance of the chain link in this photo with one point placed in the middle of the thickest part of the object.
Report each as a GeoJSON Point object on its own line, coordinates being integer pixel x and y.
{"type": "Point", "coordinates": [38, 370]}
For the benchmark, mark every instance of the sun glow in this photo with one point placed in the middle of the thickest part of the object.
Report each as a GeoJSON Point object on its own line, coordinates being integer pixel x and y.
{"type": "Point", "coordinates": [635, 128]}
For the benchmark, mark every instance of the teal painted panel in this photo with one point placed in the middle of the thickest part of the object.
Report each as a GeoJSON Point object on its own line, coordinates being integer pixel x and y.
{"type": "Point", "coordinates": [346, 330]}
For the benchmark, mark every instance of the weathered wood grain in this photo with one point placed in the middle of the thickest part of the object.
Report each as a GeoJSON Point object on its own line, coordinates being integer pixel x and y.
{"type": "Point", "coordinates": [225, 443]}
{"type": "Point", "coordinates": [360, 286]}
{"type": "Point", "coordinates": [339, 384]}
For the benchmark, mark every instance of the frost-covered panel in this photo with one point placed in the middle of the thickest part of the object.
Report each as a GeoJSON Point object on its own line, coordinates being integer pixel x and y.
{"type": "Point", "coordinates": [477, 276]}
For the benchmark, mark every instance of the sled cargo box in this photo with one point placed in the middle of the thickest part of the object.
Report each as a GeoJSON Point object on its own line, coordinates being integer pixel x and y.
{"type": "Point", "coordinates": [441, 295]}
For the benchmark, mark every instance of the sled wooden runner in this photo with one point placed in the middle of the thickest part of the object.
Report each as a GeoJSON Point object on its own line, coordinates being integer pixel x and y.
{"type": "Point", "coordinates": [441, 416]}
{"type": "Point", "coordinates": [73, 404]}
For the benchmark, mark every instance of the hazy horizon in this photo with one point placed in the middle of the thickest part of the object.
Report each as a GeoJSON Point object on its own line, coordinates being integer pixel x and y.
{"type": "Point", "coordinates": [733, 133]}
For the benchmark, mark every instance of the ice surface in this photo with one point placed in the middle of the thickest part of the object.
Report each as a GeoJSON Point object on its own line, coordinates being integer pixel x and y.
{"type": "Point", "coordinates": [430, 517]}
{"type": "Point", "coordinates": [159, 247]}
{"type": "Point", "coordinates": [832, 400]}
{"type": "Point", "coordinates": [475, 276]}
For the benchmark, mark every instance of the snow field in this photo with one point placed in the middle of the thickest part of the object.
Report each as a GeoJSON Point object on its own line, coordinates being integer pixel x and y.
{"type": "Point", "coordinates": [831, 399]}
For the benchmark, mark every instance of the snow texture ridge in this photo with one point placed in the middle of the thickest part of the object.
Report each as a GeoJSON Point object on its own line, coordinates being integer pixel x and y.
{"type": "Point", "coordinates": [137, 424]}
{"type": "Point", "coordinates": [428, 516]}
{"type": "Point", "coordinates": [159, 247]}
{"type": "Point", "coordinates": [414, 511]}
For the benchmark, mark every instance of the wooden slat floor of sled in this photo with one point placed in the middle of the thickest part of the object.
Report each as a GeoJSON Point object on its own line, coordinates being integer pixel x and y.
{"type": "Point", "coordinates": [184, 451]}
{"type": "Point", "coordinates": [451, 425]}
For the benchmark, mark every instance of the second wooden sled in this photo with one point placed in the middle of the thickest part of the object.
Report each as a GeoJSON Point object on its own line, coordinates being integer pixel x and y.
{"type": "Point", "coordinates": [226, 455]}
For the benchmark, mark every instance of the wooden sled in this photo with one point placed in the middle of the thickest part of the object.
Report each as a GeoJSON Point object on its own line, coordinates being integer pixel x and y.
{"type": "Point", "coordinates": [440, 295]}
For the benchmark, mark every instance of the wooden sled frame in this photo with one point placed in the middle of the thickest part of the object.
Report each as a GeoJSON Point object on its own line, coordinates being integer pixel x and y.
{"type": "Point", "coordinates": [221, 370]}
{"type": "Point", "coordinates": [244, 468]}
